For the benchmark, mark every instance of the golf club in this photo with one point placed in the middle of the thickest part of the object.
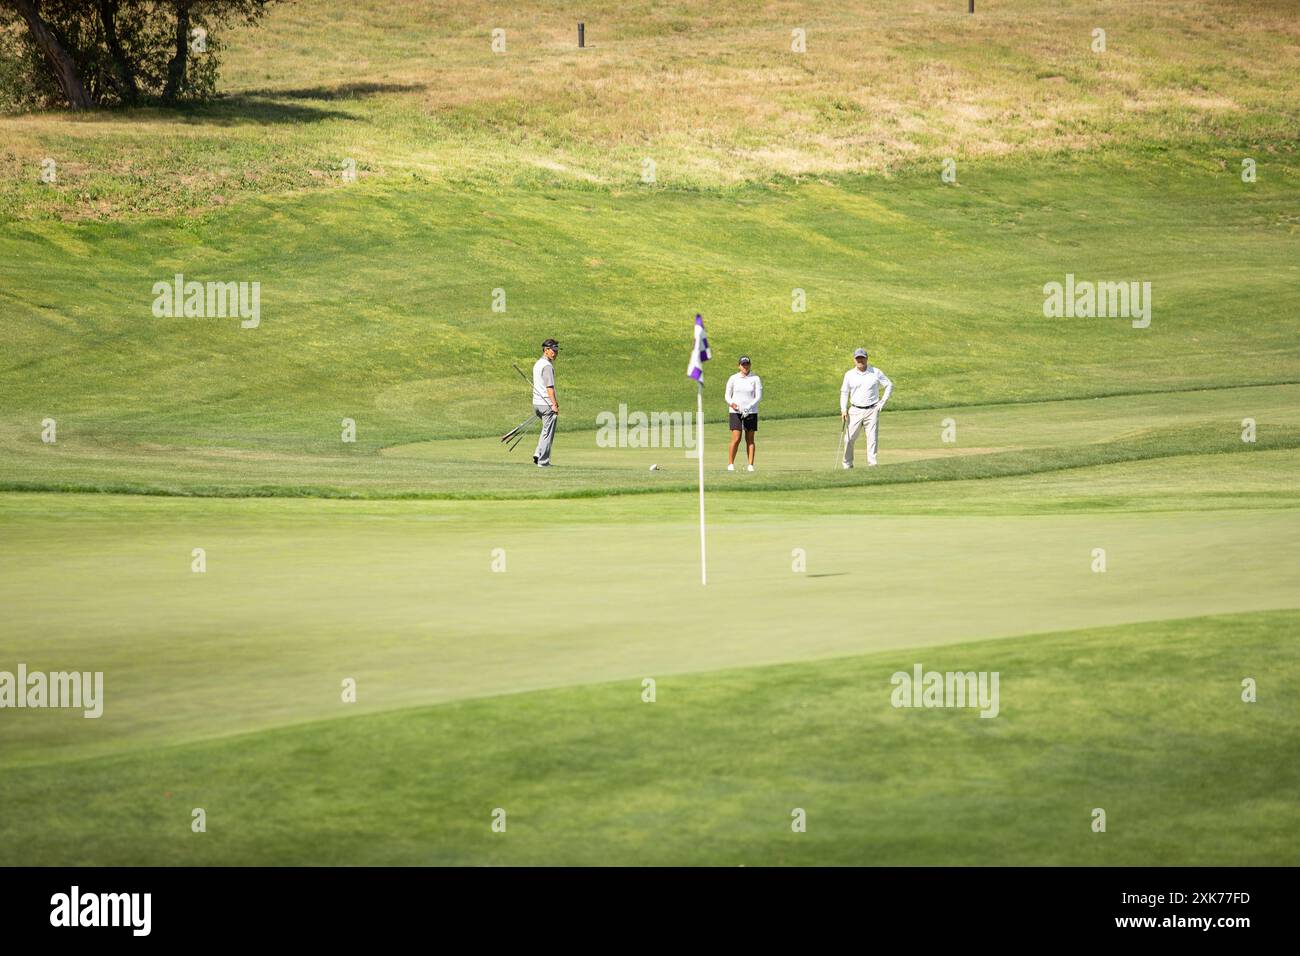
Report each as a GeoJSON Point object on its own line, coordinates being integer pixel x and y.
{"type": "Point", "coordinates": [520, 436]}
{"type": "Point", "coordinates": [518, 428]}
{"type": "Point", "coordinates": [516, 434]}
{"type": "Point", "coordinates": [844, 430]}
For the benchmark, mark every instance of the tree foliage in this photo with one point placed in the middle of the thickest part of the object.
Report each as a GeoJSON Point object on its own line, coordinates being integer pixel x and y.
{"type": "Point", "coordinates": [83, 53]}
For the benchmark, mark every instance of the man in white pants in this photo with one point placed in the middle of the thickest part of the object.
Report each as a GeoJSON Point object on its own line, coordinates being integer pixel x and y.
{"type": "Point", "coordinates": [861, 403]}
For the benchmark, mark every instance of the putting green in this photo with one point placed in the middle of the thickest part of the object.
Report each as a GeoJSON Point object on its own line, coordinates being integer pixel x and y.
{"type": "Point", "coordinates": [401, 596]}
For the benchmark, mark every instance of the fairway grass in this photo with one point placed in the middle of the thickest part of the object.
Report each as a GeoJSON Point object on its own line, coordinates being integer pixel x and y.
{"type": "Point", "coordinates": [376, 306]}
{"type": "Point", "coordinates": [1144, 721]}
{"type": "Point", "coordinates": [987, 441]}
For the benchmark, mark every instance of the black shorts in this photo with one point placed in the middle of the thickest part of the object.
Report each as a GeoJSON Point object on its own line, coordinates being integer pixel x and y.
{"type": "Point", "coordinates": [750, 422]}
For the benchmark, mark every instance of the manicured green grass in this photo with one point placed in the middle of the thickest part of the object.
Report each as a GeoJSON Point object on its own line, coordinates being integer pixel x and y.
{"type": "Point", "coordinates": [986, 441]}
{"type": "Point", "coordinates": [401, 595]}
{"type": "Point", "coordinates": [1144, 721]}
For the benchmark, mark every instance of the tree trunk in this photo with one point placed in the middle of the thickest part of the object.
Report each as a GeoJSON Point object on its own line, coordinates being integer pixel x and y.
{"type": "Point", "coordinates": [176, 67]}
{"type": "Point", "coordinates": [65, 70]}
{"type": "Point", "coordinates": [127, 88]}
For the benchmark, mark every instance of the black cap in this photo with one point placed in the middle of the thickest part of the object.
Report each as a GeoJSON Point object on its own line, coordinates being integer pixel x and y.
{"type": "Point", "coordinates": [551, 344]}
{"type": "Point", "coordinates": [744, 360]}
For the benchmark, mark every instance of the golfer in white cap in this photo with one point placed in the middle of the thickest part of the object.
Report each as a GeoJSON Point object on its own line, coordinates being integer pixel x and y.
{"type": "Point", "coordinates": [744, 390]}
{"type": "Point", "coordinates": [861, 403]}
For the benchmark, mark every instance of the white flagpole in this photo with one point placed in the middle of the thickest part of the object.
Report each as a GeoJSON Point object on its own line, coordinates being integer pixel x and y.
{"type": "Point", "coordinates": [699, 448]}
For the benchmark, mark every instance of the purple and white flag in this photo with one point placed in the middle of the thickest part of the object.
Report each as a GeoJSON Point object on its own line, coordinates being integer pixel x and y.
{"type": "Point", "coordinates": [700, 353]}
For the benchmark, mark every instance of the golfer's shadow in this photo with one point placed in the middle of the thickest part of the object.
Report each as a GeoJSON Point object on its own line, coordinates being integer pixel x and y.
{"type": "Point", "coordinates": [829, 574]}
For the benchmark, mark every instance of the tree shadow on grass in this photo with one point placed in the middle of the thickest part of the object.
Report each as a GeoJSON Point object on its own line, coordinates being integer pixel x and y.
{"type": "Point", "coordinates": [261, 106]}
{"type": "Point", "coordinates": [288, 106]}
{"type": "Point", "coordinates": [340, 91]}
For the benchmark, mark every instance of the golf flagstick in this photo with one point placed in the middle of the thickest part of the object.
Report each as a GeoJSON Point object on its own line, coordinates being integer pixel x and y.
{"type": "Point", "coordinates": [699, 448]}
{"type": "Point", "coordinates": [700, 354]}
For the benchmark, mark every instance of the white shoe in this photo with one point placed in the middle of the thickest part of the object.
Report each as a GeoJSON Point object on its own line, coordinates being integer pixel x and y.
{"type": "Point", "coordinates": [750, 468]}
{"type": "Point", "coordinates": [731, 468]}
{"type": "Point", "coordinates": [871, 464]}
{"type": "Point", "coordinates": [845, 465]}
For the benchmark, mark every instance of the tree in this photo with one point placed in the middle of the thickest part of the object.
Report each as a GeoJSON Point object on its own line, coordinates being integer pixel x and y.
{"type": "Point", "coordinates": [106, 52]}
{"type": "Point", "coordinates": [128, 87]}
{"type": "Point", "coordinates": [44, 36]}
{"type": "Point", "coordinates": [180, 51]}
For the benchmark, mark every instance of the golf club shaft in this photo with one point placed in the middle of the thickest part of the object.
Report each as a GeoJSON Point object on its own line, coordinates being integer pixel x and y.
{"type": "Point", "coordinates": [523, 430]}
{"type": "Point", "coordinates": [519, 438]}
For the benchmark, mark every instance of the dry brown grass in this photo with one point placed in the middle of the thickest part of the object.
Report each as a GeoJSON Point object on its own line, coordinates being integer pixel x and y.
{"type": "Point", "coordinates": [710, 91]}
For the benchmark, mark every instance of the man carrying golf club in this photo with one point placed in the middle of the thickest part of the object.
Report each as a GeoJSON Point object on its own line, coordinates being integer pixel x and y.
{"type": "Point", "coordinates": [545, 405]}
{"type": "Point", "coordinates": [743, 393]}
{"type": "Point", "coordinates": [860, 405]}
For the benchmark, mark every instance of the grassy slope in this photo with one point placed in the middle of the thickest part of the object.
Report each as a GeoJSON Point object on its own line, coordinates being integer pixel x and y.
{"type": "Point", "coordinates": [376, 304]}
{"type": "Point", "coordinates": [1144, 721]}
